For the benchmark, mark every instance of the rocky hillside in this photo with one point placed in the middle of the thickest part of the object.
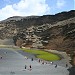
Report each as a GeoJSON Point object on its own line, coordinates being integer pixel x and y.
{"type": "Point", "coordinates": [47, 31]}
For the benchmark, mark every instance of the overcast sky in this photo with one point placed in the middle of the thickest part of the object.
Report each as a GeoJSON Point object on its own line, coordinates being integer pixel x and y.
{"type": "Point", "coordinates": [10, 8]}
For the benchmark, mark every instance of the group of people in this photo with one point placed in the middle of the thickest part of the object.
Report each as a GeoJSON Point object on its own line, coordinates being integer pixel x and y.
{"type": "Point", "coordinates": [30, 67]}
{"type": "Point", "coordinates": [1, 56]}
{"type": "Point", "coordinates": [43, 62]}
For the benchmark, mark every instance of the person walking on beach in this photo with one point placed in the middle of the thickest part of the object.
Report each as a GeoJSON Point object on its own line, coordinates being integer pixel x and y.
{"type": "Point", "coordinates": [32, 59]}
{"type": "Point", "coordinates": [39, 60]}
{"type": "Point", "coordinates": [56, 66]}
{"type": "Point", "coordinates": [66, 65]}
{"type": "Point", "coordinates": [51, 62]}
{"type": "Point", "coordinates": [1, 57]}
{"type": "Point", "coordinates": [43, 62]}
{"type": "Point", "coordinates": [30, 67]}
{"type": "Point", "coordinates": [25, 66]}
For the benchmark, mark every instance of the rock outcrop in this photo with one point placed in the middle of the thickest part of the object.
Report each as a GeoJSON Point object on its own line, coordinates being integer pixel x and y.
{"type": "Point", "coordinates": [47, 31]}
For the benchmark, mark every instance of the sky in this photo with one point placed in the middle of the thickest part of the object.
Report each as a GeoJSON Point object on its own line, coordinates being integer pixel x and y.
{"type": "Point", "coordinates": [9, 8]}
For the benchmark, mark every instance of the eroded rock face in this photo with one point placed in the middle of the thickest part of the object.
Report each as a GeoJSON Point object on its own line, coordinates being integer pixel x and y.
{"type": "Point", "coordinates": [74, 61]}
{"type": "Point", "coordinates": [48, 31]}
